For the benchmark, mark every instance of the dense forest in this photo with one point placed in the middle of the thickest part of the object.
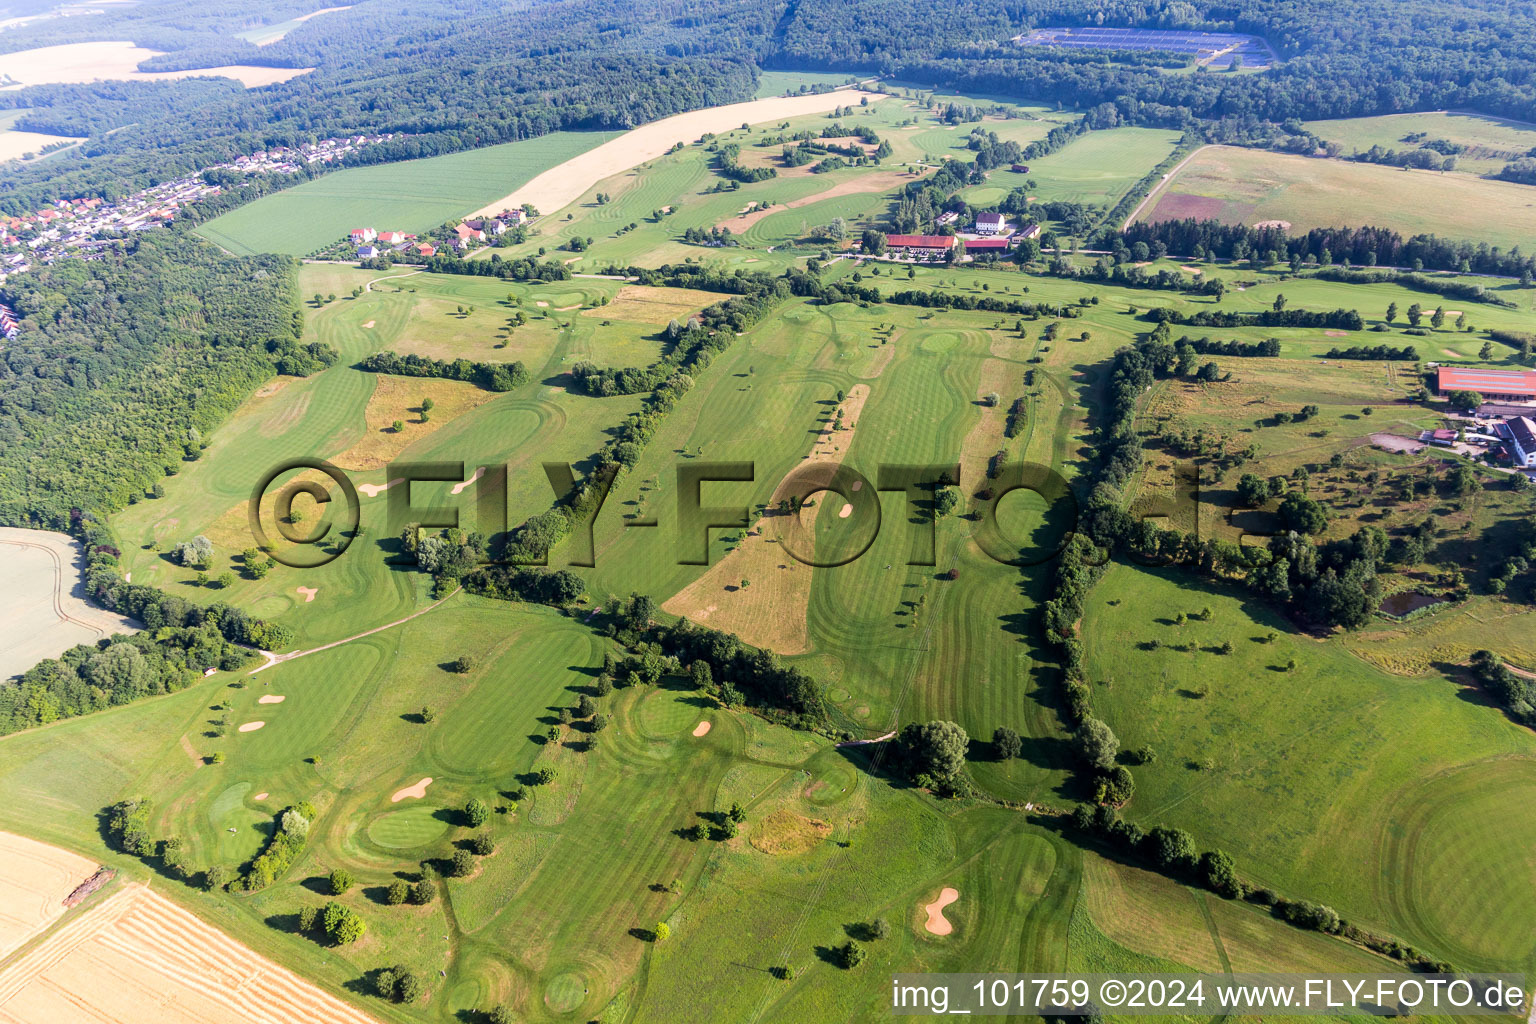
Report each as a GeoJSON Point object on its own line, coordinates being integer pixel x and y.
{"type": "Point", "coordinates": [134, 359]}
{"type": "Point", "coordinates": [451, 74]}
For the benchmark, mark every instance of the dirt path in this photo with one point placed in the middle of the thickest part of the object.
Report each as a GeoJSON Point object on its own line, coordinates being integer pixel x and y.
{"type": "Point", "coordinates": [565, 183]}
{"type": "Point", "coordinates": [278, 659]}
{"type": "Point", "coordinates": [1160, 187]}
{"type": "Point", "coordinates": [860, 743]}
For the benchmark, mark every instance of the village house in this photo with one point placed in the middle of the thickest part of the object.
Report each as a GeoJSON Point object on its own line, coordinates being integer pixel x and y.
{"type": "Point", "coordinates": [1520, 437]}
{"type": "Point", "coordinates": [989, 223]}
{"type": "Point", "coordinates": [367, 252]}
{"type": "Point", "coordinates": [362, 236]}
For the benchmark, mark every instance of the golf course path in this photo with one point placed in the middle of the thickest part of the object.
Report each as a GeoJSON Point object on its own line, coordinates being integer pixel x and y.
{"type": "Point", "coordinates": [278, 659]}
{"type": "Point", "coordinates": [392, 277]}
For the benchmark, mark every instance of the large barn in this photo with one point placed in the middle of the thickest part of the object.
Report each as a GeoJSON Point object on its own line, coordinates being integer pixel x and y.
{"type": "Point", "coordinates": [1498, 385]}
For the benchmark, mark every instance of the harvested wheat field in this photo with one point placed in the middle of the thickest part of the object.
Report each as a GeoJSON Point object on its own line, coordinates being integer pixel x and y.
{"type": "Point", "coordinates": [139, 958]}
{"type": "Point", "coordinates": [564, 184]}
{"type": "Point", "coordinates": [770, 612]}
{"type": "Point", "coordinates": [119, 61]}
{"type": "Point", "coordinates": [643, 304]}
{"type": "Point", "coordinates": [34, 880]}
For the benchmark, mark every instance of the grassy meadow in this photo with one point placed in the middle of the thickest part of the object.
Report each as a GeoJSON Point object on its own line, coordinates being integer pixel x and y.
{"type": "Point", "coordinates": [1490, 142]}
{"type": "Point", "coordinates": [1251, 186]}
{"type": "Point", "coordinates": [409, 196]}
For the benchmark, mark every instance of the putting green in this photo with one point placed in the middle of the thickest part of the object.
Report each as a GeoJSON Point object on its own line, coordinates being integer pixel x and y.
{"type": "Point", "coordinates": [565, 992]}
{"type": "Point", "coordinates": [402, 830]}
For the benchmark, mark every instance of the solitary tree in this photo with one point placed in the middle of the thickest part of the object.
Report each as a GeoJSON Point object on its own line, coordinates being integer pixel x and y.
{"type": "Point", "coordinates": [1007, 743]}
{"type": "Point", "coordinates": [340, 881]}
{"type": "Point", "coordinates": [475, 812]}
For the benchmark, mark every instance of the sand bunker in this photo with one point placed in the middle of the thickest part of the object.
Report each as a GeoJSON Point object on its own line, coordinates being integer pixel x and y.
{"type": "Point", "coordinates": [261, 796]}
{"type": "Point", "coordinates": [308, 592]}
{"type": "Point", "coordinates": [845, 511]}
{"type": "Point", "coordinates": [701, 729]}
{"type": "Point", "coordinates": [251, 726]}
{"type": "Point", "coordinates": [937, 923]}
{"type": "Point", "coordinates": [374, 490]}
{"type": "Point", "coordinates": [456, 488]}
{"type": "Point", "coordinates": [369, 325]}
{"type": "Point", "coordinates": [565, 183]}
{"type": "Point", "coordinates": [271, 698]}
{"type": "Point", "coordinates": [415, 792]}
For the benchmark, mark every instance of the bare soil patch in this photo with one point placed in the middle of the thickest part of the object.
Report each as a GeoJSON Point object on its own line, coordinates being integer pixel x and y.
{"type": "Point", "coordinates": [643, 304]}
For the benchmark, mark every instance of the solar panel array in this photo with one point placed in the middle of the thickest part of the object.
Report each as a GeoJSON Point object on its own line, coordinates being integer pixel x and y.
{"type": "Point", "coordinates": [1217, 48]}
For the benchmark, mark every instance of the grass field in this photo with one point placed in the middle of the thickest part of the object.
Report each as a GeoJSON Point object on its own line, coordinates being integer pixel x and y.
{"type": "Point", "coordinates": [1326, 784]}
{"type": "Point", "coordinates": [410, 196]}
{"type": "Point", "coordinates": [346, 415]}
{"type": "Point", "coordinates": [1363, 778]}
{"type": "Point", "coordinates": [1490, 142]}
{"type": "Point", "coordinates": [1250, 186]}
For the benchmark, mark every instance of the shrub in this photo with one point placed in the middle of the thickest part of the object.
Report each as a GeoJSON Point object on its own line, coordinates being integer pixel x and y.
{"type": "Point", "coordinates": [340, 881]}
{"type": "Point", "coordinates": [398, 893]}
{"type": "Point", "coordinates": [463, 862]}
{"type": "Point", "coordinates": [849, 955]}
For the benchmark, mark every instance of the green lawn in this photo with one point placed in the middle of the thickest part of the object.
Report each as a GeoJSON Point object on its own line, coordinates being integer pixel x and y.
{"type": "Point", "coordinates": [1490, 142]}
{"type": "Point", "coordinates": [411, 196]}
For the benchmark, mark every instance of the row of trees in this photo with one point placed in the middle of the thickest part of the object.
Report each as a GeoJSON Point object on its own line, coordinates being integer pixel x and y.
{"type": "Point", "coordinates": [490, 376]}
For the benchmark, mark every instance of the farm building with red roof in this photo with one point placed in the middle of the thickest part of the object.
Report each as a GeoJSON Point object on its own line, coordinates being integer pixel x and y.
{"type": "Point", "coordinates": [1505, 385]}
{"type": "Point", "coordinates": [921, 245]}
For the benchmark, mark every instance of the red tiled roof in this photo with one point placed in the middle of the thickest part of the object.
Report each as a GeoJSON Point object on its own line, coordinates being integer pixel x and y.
{"type": "Point", "coordinates": [988, 243]}
{"type": "Point", "coordinates": [1497, 382]}
{"type": "Point", "coordinates": [920, 241]}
